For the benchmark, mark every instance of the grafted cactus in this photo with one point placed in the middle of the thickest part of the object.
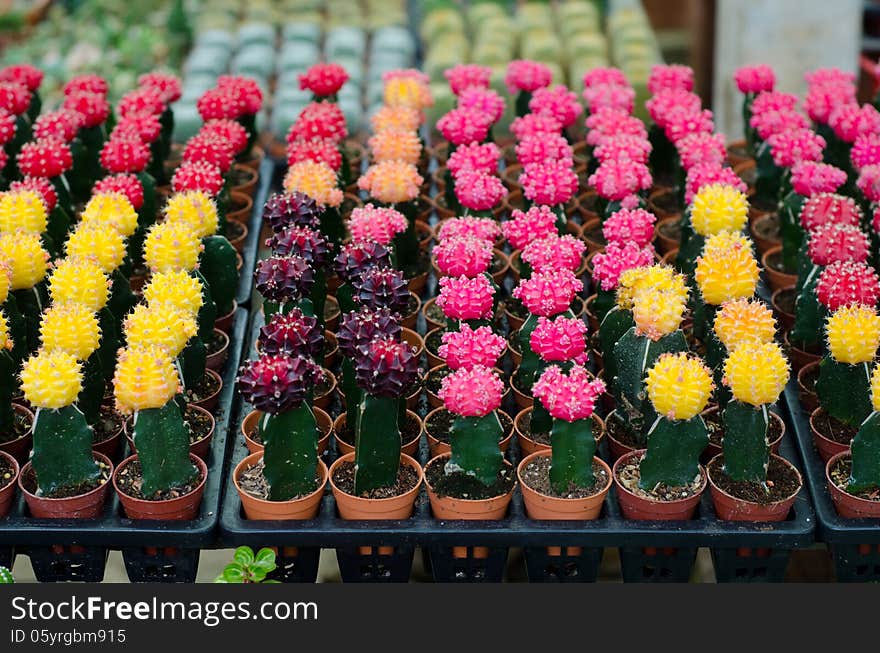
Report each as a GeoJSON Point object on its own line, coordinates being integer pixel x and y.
{"type": "Point", "coordinates": [716, 209]}
{"type": "Point", "coordinates": [28, 262]}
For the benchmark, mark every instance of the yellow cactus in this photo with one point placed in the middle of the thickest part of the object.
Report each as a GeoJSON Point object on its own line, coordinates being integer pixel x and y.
{"type": "Point", "coordinates": [51, 379]}
{"type": "Point", "coordinates": [23, 210]}
{"type": "Point", "coordinates": [718, 208]}
{"type": "Point", "coordinates": [407, 92]}
{"type": "Point", "coordinates": [195, 209]}
{"type": "Point", "coordinates": [5, 340]}
{"type": "Point", "coordinates": [662, 277]}
{"type": "Point", "coordinates": [679, 385]}
{"type": "Point", "coordinates": [79, 281]}
{"type": "Point", "coordinates": [111, 210]}
{"type": "Point", "coordinates": [875, 387]}
{"type": "Point", "coordinates": [171, 246]}
{"type": "Point", "coordinates": [145, 377]}
{"type": "Point", "coordinates": [176, 288]}
{"type": "Point", "coordinates": [657, 313]}
{"type": "Point", "coordinates": [756, 372]}
{"type": "Point", "coordinates": [853, 334]}
{"type": "Point", "coordinates": [71, 328]}
{"type": "Point", "coordinates": [5, 280]}
{"type": "Point", "coordinates": [105, 246]}
{"type": "Point", "coordinates": [28, 261]}
{"type": "Point", "coordinates": [161, 325]}
{"type": "Point", "coordinates": [727, 269]}
{"type": "Point", "coordinates": [744, 320]}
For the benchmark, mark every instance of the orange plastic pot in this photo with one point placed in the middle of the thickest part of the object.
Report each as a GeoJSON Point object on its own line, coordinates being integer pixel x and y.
{"type": "Point", "coordinates": [542, 506]}
{"type": "Point", "coordinates": [180, 508]}
{"type": "Point", "coordinates": [81, 506]}
{"type": "Point", "coordinates": [454, 508]}
{"type": "Point", "coordinates": [20, 447]}
{"type": "Point", "coordinates": [407, 448]}
{"type": "Point", "coordinates": [848, 505]}
{"type": "Point", "coordinates": [7, 492]}
{"type": "Point", "coordinates": [641, 508]}
{"type": "Point", "coordinates": [826, 447]}
{"type": "Point", "coordinates": [303, 508]}
{"type": "Point", "coordinates": [353, 507]}
{"type": "Point", "coordinates": [731, 508]}
{"type": "Point", "coordinates": [249, 423]}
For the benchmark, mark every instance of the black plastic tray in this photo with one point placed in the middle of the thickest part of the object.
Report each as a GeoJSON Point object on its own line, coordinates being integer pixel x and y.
{"type": "Point", "coordinates": [854, 543]}
{"type": "Point", "coordinates": [76, 549]}
{"type": "Point", "coordinates": [251, 250]}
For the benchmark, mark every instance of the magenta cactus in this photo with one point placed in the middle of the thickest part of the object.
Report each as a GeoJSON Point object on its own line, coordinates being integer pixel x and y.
{"type": "Point", "coordinates": [706, 174]}
{"type": "Point", "coordinates": [833, 243]}
{"type": "Point", "coordinates": [291, 334]}
{"type": "Point", "coordinates": [357, 329]}
{"type": "Point", "coordinates": [283, 210]}
{"type": "Point", "coordinates": [555, 253]}
{"type": "Point", "coordinates": [701, 148]}
{"type": "Point", "coordinates": [197, 175]}
{"type": "Point", "coordinates": [615, 179]}
{"type": "Point", "coordinates": [568, 397]}
{"type": "Point", "coordinates": [616, 259]}
{"type": "Point", "coordinates": [377, 224]}
{"type": "Point", "coordinates": [524, 75]}
{"type": "Point", "coordinates": [868, 182]}
{"type": "Point", "coordinates": [534, 124]}
{"type": "Point", "coordinates": [464, 126]}
{"type": "Point", "coordinates": [754, 79]}
{"type": "Point", "coordinates": [635, 226]}
{"type": "Point", "coordinates": [624, 146]}
{"type": "Point", "coordinates": [809, 178]}
{"type": "Point", "coordinates": [560, 339]}
{"type": "Point", "coordinates": [557, 101]}
{"type": "Point", "coordinates": [386, 368]}
{"type": "Point", "coordinates": [543, 147]}
{"type": "Point", "coordinates": [847, 282]}
{"type": "Point", "coordinates": [615, 96]}
{"type": "Point", "coordinates": [478, 191]}
{"type": "Point", "coordinates": [604, 75]}
{"type": "Point", "coordinates": [548, 293]}
{"type": "Point", "coordinates": [670, 77]}
{"type": "Point", "coordinates": [829, 208]}
{"type": "Point", "coordinates": [471, 347]}
{"type": "Point", "coordinates": [524, 227]}
{"type": "Point", "coordinates": [551, 183]}
{"type": "Point", "coordinates": [482, 99]}
{"type": "Point", "coordinates": [463, 256]}
{"type": "Point", "coordinates": [275, 384]}
{"type": "Point", "coordinates": [793, 145]}
{"type": "Point", "coordinates": [481, 157]}
{"type": "Point", "coordinates": [682, 123]}
{"type": "Point", "coordinates": [666, 102]}
{"type": "Point", "coordinates": [465, 76]}
{"type": "Point", "coordinates": [472, 391]}
{"type": "Point", "coordinates": [484, 229]}
{"type": "Point", "coordinates": [865, 151]}
{"type": "Point", "coordinates": [465, 298]}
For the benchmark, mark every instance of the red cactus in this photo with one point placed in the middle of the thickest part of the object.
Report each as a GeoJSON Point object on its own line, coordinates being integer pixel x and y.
{"type": "Point", "coordinates": [93, 107]}
{"type": "Point", "coordinates": [229, 130]}
{"type": "Point", "coordinates": [127, 184]}
{"type": "Point", "coordinates": [324, 79]}
{"type": "Point", "coordinates": [47, 157]}
{"type": "Point", "coordinates": [63, 124]}
{"type": "Point", "coordinates": [25, 74]}
{"type": "Point", "coordinates": [197, 175]}
{"type": "Point", "coordinates": [14, 98]}
{"type": "Point", "coordinates": [87, 83]}
{"type": "Point", "coordinates": [829, 208]}
{"type": "Point", "coordinates": [291, 334]}
{"type": "Point", "coordinates": [838, 242]}
{"type": "Point", "coordinates": [211, 149]}
{"type": "Point", "coordinates": [141, 100]}
{"type": "Point", "coordinates": [275, 384]}
{"type": "Point", "coordinates": [846, 282]}
{"type": "Point", "coordinates": [386, 368]}
{"type": "Point", "coordinates": [125, 155]}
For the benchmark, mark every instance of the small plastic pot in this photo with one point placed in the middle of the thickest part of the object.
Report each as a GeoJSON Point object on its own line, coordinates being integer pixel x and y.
{"type": "Point", "coordinates": [543, 506]}
{"type": "Point", "coordinates": [636, 507]}
{"type": "Point", "coordinates": [848, 505]}
{"type": "Point", "coordinates": [303, 508]}
{"type": "Point", "coordinates": [81, 506]}
{"type": "Point", "coordinates": [731, 508]}
{"type": "Point", "coordinates": [180, 508]}
{"type": "Point", "coordinates": [353, 507]}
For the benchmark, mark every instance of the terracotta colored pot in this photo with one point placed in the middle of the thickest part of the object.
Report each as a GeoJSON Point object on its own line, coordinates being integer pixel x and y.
{"type": "Point", "coordinates": [434, 359]}
{"type": "Point", "coordinates": [179, 509]}
{"type": "Point", "coordinates": [110, 446]}
{"type": "Point", "coordinates": [593, 245]}
{"type": "Point", "coordinates": [224, 322]}
{"type": "Point", "coordinates": [826, 447]}
{"type": "Point", "coordinates": [775, 278]}
{"type": "Point", "coordinates": [713, 450]}
{"type": "Point", "coordinates": [542, 506]}
{"type": "Point", "coordinates": [807, 395]}
{"type": "Point", "coordinates": [656, 207]}
{"type": "Point", "coordinates": [332, 313]}
{"type": "Point", "coordinates": [452, 508]}
{"type": "Point", "coordinates": [210, 403]}
{"type": "Point", "coordinates": [586, 202]}
{"type": "Point", "coordinates": [255, 160]}
{"type": "Point", "coordinates": [733, 155]}
{"type": "Point", "coordinates": [431, 324]}
{"type": "Point", "coordinates": [82, 506]}
{"type": "Point", "coordinates": [616, 448]}
{"type": "Point", "coordinates": [7, 492]}
{"type": "Point", "coordinates": [758, 228]}
{"type": "Point", "coordinates": [200, 448]}
{"type": "Point", "coordinates": [746, 170]}
{"type": "Point", "coordinates": [409, 321]}
{"type": "Point", "coordinates": [399, 507]}
{"type": "Point", "coordinates": [665, 243]}
{"type": "Point", "coordinates": [410, 448]}
{"type": "Point", "coordinates": [438, 447]}
{"type": "Point", "coordinates": [238, 241]}
{"type": "Point", "coordinates": [20, 448]}
{"type": "Point", "coordinates": [331, 349]}
{"type": "Point", "coordinates": [848, 505]}
{"type": "Point", "coordinates": [254, 508]}
{"type": "Point", "coordinates": [216, 360]}
{"type": "Point", "coordinates": [417, 283]}
{"type": "Point", "coordinates": [798, 357]}
{"type": "Point", "coordinates": [731, 508]}
{"type": "Point", "coordinates": [513, 201]}
{"type": "Point", "coordinates": [635, 507]}
{"type": "Point", "coordinates": [528, 446]}
{"type": "Point", "coordinates": [243, 207]}
{"type": "Point", "coordinates": [786, 319]}
{"type": "Point", "coordinates": [248, 186]}
{"type": "Point", "coordinates": [515, 355]}
{"type": "Point", "coordinates": [323, 401]}
{"type": "Point", "coordinates": [414, 340]}
{"type": "Point", "coordinates": [249, 423]}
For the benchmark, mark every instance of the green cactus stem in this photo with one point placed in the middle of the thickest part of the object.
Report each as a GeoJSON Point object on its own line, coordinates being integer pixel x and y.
{"type": "Point", "coordinates": [344, 296]}
{"type": "Point", "coordinates": [192, 362]}
{"type": "Point", "coordinates": [692, 245]}
{"type": "Point", "coordinates": [449, 190]}
{"type": "Point", "coordinates": [62, 455]}
{"type": "Point", "coordinates": [352, 393]}
{"type": "Point", "coordinates": [8, 370]}
{"type": "Point", "coordinates": [673, 454]}
{"type": "Point", "coordinates": [604, 302]}
{"type": "Point", "coordinates": [865, 448]}
{"type": "Point", "coordinates": [18, 327]}
{"type": "Point", "coordinates": [162, 440]}
{"type": "Point", "coordinates": [290, 457]}
{"type": "Point", "coordinates": [30, 301]}
{"type": "Point", "coordinates": [377, 449]}
{"type": "Point", "coordinates": [616, 322]}
{"type": "Point", "coordinates": [218, 271]}
{"type": "Point", "coordinates": [663, 153]}
{"type": "Point", "coordinates": [751, 133]}
{"type": "Point", "coordinates": [23, 134]}
{"type": "Point", "coordinates": [86, 162]}
{"type": "Point", "coordinates": [405, 247]}
{"type": "Point", "coordinates": [332, 226]}
{"type": "Point", "coordinates": [528, 367]}
{"type": "Point", "coordinates": [319, 295]}
{"type": "Point", "coordinates": [809, 316]}
{"type": "Point", "coordinates": [572, 449]}
{"type": "Point", "coordinates": [768, 176]}
{"type": "Point", "coordinates": [745, 444]}
{"type": "Point", "coordinates": [845, 390]}
{"type": "Point", "coordinates": [92, 393]}
{"type": "Point", "coordinates": [522, 103]}
{"type": "Point", "coordinates": [56, 229]}
{"type": "Point", "coordinates": [716, 352]}
{"type": "Point", "coordinates": [475, 449]}
{"type": "Point", "coordinates": [249, 122]}
{"type": "Point", "coordinates": [634, 355]}
{"type": "Point", "coordinates": [791, 231]}
{"type": "Point", "coordinates": [209, 310]}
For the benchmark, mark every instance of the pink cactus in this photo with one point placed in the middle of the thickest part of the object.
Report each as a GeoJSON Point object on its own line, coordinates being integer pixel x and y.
{"type": "Point", "coordinates": [809, 178]}
{"type": "Point", "coordinates": [464, 126]}
{"type": "Point", "coordinates": [526, 75]}
{"type": "Point", "coordinates": [558, 102]}
{"type": "Point", "coordinates": [377, 224]}
{"type": "Point", "coordinates": [681, 123]}
{"type": "Point", "coordinates": [616, 259]}
{"type": "Point", "coordinates": [560, 339]}
{"type": "Point", "coordinates": [865, 151]}
{"type": "Point", "coordinates": [869, 182]}
{"type": "Point", "coordinates": [471, 392]}
{"type": "Point", "coordinates": [545, 147]}
{"type": "Point", "coordinates": [524, 227]}
{"type": "Point", "coordinates": [554, 253]}
{"type": "Point", "coordinates": [774, 101]}
{"type": "Point", "coordinates": [610, 123]}
{"type": "Point", "coordinates": [465, 76]}
{"type": "Point", "coordinates": [847, 282]}
{"type": "Point", "coordinates": [597, 76]}
{"type": "Point", "coordinates": [838, 242]}
{"type": "Point", "coordinates": [665, 77]}
{"type": "Point", "coordinates": [794, 145]}
{"type": "Point", "coordinates": [701, 148]}
{"type": "Point", "coordinates": [829, 208]}
{"type": "Point", "coordinates": [569, 397]}
{"type": "Point", "coordinates": [754, 79]}
{"type": "Point", "coordinates": [463, 256]}
{"type": "Point", "coordinates": [471, 347]}
{"type": "Point", "coordinates": [625, 226]}
{"type": "Point", "coordinates": [614, 180]}
{"type": "Point", "coordinates": [464, 298]}
{"type": "Point", "coordinates": [772, 122]}
{"type": "Point", "coordinates": [479, 191]}
{"type": "Point", "coordinates": [822, 99]}
{"type": "Point", "coordinates": [323, 79]}
{"type": "Point", "coordinates": [704, 174]}
{"type": "Point", "coordinates": [534, 124]}
{"type": "Point", "coordinates": [849, 121]}
{"type": "Point", "coordinates": [482, 99]}
{"type": "Point", "coordinates": [481, 157]}
{"type": "Point", "coordinates": [548, 293]}
{"type": "Point", "coordinates": [550, 182]}
{"type": "Point", "coordinates": [663, 104]}
{"type": "Point", "coordinates": [632, 148]}
{"type": "Point", "coordinates": [319, 120]}
{"type": "Point", "coordinates": [484, 229]}
{"type": "Point", "coordinates": [322, 150]}
{"type": "Point", "coordinates": [614, 96]}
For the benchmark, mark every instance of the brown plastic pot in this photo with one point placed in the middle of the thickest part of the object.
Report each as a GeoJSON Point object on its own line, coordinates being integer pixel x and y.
{"type": "Point", "coordinates": [249, 185]}
{"type": "Point", "coordinates": [410, 448]}
{"type": "Point", "coordinates": [323, 401]}
{"type": "Point", "coordinates": [493, 508]}
{"type": "Point", "coordinates": [331, 349]}
{"type": "Point", "coordinates": [528, 446]}
{"type": "Point", "coordinates": [7, 491]}
{"type": "Point", "coordinates": [216, 360]}
{"type": "Point", "coordinates": [786, 319]}
{"type": "Point", "coordinates": [736, 153]}
{"type": "Point", "coordinates": [731, 508]}
{"type": "Point", "coordinates": [399, 507]}
{"type": "Point", "coordinates": [81, 506]}
{"type": "Point", "coordinates": [20, 448]}
{"type": "Point", "coordinates": [110, 446]}
{"type": "Point", "coordinates": [543, 506]}
{"type": "Point", "coordinates": [409, 321]}
{"type": "Point", "coordinates": [238, 241]}
{"type": "Point", "coordinates": [799, 358]}
{"type": "Point", "coordinates": [224, 322]}
{"type": "Point", "coordinates": [713, 449]}
{"type": "Point", "coordinates": [178, 509]}
{"type": "Point", "coordinates": [775, 278]}
{"type": "Point", "coordinates": [666, 243]}
{"type": "Point", "coordinates": [656, 207]}
{"type": "Point", "coordinates": [331, 313]}
{"type": "Point", "coordinates": [807, 395]}
{"type": "Point", "coordinates": [303, 508]}
{"type": "Point", "coordinates": [635, 507]}
{"type": "Point", "coordinates": [848, 505]}
{"type": "Point", "coordinates": [249, 423]}
{"type": "Point", "coordinates": [414, 340]}
{"type": "Point", "coordinates": [438, 447]}
{"type": "Point", "coordinates": [431, 323]}
{"type": "Point", "coordinates": [826, 447]}
{"type": "Point", "coordinates": [758, 228]}
{"type": "Point", "coordinates": [210, 403]}
{"type": "Point", "coordinates": [255, 160]}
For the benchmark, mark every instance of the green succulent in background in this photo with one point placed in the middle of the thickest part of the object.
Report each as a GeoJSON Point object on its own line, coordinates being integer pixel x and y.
{"type": "Point", "coordinates": [246, 567]}
{"type": "Point", "coordinates": [6, 577]}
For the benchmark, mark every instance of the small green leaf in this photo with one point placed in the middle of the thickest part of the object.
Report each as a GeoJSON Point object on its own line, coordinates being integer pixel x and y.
{"type": "Point", "coordinates": [234, 573]}
{"type": "Point", "coordinates": [257, 574]}
{"type": "Point", "coordinates": [244, 556]}
{"type": "Point", "coordinates": [265, 560]}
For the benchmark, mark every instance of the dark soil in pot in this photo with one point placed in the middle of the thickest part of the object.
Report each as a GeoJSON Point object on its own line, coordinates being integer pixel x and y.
{"type": "Point", "coordinates": [671, 230]}
{"type": "Point", "coordinates": [435, 379]}
{"type": "Point", "coordinates": [628, 475]}
{"type": "Point", "coordinates": [324, 384]}
{"type": "Point", "coordinates": [109, 423]}
{"type": "Point", "coordinates": [29, 482]}
{"type": "Point", "coordinates": [525, 426]}
{"type": "Point", "coordinates": [763, 205]}
{"type": "Point", "coordinates": [233, 230]}
{"type": "Point", "coordinates": [439, 423]}
{"type": "Point", "coordinates": [203, 389]}
{"type": "Point", "coordinates": [536, 474]}
{"type": "Point", "coordinates": [516, 308]}
{"type": "Point", "coordinates": [435, 314]}
{"type": "Point", "coordinates": [715, 426]}
{"type": "Point", "coordinates": [782, 482]}
{"type": "Point", "coordinates": [407, 479]}
{"type": "Point", "coordinates": [464, 486]}
{"type": "Point", "coordinates": [616, 430]}
{"type": "Point", "coordinates": [21, 424]}
{"type": "Point", "coordinates": [215, 343]}
{"type": "Point", "coordinates": [809, 379]}
{"type": "Point", "coordinates": [239, 176]}
{"type": "Point", "coordinates": [840, 472]}
{"type": "Point", "coordinates": [130, 479]}
{"type": "Point", "coordinates": [833, 429]}
{"type": "Point", "coordinates": [198, 423]}
{"type": "Point", "coordinates": [433, 341]}
{"type": "Point", "coordinates": [410, 431]}
{"type": "Point", "coordinates": [666, 203]}
{"type": "Point", "coordinates": [254, 483]}
{"type": "Point", "coordinates": [774, 260]}
{"type": "Point", "coordinates": [785, 300]}
{"type": "Point", "coordinates": [7, 472]}
{"type": "Point", "coordinates": [768, 228]}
